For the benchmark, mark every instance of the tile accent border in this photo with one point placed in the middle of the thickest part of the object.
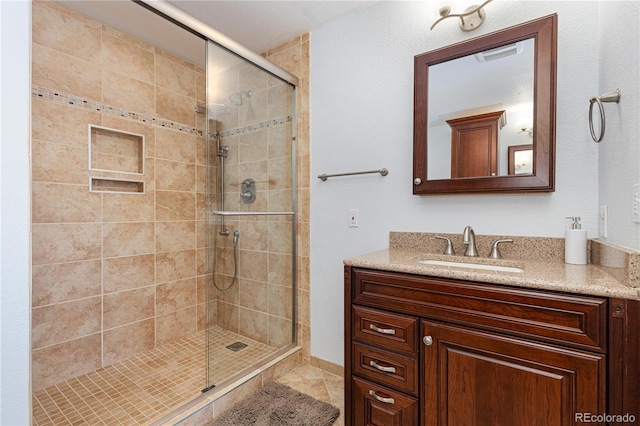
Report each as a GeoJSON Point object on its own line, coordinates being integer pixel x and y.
{"type": "Point", "coordinates": [89, 104]}
{"type": "Point", "coordinates": [274, 122]}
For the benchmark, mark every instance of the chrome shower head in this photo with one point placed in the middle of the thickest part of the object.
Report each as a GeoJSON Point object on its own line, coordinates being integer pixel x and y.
{"type": "Point", "coordinates": [236, 98]}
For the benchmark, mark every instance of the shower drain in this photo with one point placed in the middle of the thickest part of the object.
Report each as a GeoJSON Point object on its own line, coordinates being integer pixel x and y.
{"type": "Point", "coordinates": [236, 346]}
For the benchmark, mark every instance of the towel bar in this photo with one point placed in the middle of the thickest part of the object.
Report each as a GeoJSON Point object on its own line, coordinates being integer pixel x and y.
{"type": "Point", "coordinates": [325, 176]}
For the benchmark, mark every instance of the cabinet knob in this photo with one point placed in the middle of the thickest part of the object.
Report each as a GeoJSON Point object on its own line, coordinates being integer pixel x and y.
{"type": "Point", "coordinates": [417, 181]}
{"type": "Point", "coordinates": [428, 340]}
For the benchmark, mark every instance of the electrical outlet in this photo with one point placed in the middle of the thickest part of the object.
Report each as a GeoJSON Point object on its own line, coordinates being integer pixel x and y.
{"type": "Point", "coordinates": [603, 217]}
{"type": "Point", "coordinates": [353, 218]}
{"type": "Point", "coordinates": [635, 202]}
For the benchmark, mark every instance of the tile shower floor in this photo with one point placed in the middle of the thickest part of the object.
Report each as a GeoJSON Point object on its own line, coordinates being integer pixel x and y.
{"type": "Point", "coordinates": [142, 388]}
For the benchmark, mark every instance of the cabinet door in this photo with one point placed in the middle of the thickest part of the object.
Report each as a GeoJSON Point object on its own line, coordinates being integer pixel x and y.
{"type": "Point", "coordinates": [478, 378]}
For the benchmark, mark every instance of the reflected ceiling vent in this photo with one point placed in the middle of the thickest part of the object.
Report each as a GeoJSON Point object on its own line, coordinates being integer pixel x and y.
{"type": "Point", "coordinates": [500, 52]}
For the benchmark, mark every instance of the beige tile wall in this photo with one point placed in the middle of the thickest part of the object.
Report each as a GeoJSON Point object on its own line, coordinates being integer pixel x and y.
{"type": "Point", "coordinates": [294, 57]}
{"type": "Point", "coordinates": [259, 305]}
{"type": "Point", "coordinates": [113, 274]}
{"type": "Point", "coordinates": [118, 274]}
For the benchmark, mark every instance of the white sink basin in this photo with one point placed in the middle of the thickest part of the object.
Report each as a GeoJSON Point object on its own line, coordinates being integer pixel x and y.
{"type": "Point", "coordinates": [497, 268]}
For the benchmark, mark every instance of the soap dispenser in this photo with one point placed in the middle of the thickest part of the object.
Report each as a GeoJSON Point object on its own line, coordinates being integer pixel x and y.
{"type": "Point", "coordinates": [575, 243]}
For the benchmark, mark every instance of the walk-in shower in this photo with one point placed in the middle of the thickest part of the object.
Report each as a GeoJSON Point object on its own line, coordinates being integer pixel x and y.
{"type": "Point", "coordinates": [250, 203]}
{"type": "Point", "coordinates": [178, 277]}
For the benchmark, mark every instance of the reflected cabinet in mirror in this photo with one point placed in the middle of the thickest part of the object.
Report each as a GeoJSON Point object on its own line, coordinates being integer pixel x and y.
{"type": "Point", "coordinates": [484, 113]}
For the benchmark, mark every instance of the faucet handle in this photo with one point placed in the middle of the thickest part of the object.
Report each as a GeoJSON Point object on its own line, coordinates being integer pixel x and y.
{"type": "Point", "coordinates": [495, 251]}
{"type": "Point", "coordinates": [449, 249]}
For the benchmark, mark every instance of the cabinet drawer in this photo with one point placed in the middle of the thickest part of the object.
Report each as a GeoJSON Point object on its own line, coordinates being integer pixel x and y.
{"type": "Point", "coordinates": [386, 367]}
{"type": "Point", "coordinates": [578, 321]}
{"type": "Point", "coordinates": [375, 405]}
{"type": "Point", "coordinates": [393, 331]}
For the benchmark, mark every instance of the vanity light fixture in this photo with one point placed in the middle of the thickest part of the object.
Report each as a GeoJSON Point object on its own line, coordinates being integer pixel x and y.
{"type": "Point", "coordinates": [527, 130]}
{"type": "Point", "coordinates": [470, 19]}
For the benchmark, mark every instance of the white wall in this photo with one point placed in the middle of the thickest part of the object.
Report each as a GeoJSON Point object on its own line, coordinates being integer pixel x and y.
{"type": "Point", "coordinates": [361, 118]}
{"type": "Point", "coordinates": [15, 33]}
{"type": "Point", "coordinates": [619, 152]}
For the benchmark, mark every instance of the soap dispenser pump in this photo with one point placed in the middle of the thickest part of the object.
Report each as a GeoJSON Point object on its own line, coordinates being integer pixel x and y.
{"type": "Point", "coordinates": [575, 243]}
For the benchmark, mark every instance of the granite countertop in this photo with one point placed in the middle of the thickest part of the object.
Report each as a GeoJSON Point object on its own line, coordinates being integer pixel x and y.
{"type": "Point", "coordinates": [612, 272]}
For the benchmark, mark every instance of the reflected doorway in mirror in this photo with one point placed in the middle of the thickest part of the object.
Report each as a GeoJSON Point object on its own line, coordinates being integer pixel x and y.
{"type": "Point", "coordinates": [521, 159]}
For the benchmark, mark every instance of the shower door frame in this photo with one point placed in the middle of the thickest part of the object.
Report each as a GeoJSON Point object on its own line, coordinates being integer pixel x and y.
{"type": "Point", "coordinates": [202, 30]}
{"type": "Point", "coordinates": [199, 28]}
{"type": "Point", "coordinates": [223, 214]}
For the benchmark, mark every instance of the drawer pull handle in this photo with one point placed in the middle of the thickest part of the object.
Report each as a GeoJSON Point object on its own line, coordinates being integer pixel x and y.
{"type": "Point", "coordinates": [381, 367]}
{"type": "Point", "coordinates": [381, 399]}
{"type": "Point", "coordinates": [428, 340]}
{"type": "Point", "coordinates": [382, 330]}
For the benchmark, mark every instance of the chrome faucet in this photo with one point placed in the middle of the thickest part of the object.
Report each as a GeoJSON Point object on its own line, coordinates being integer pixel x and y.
{"type": "Point", "coordinates": [469, 240]}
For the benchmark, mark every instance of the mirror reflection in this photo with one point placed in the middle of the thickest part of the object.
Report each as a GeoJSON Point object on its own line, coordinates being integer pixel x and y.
{"type": "Point", "coordinates": [470, 124]}
{"type": "Point", "coordinates": [480, 118]}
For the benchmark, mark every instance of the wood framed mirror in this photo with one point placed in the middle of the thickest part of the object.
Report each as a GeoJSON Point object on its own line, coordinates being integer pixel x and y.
{"type": "Point", "coordinates": [509, 74]}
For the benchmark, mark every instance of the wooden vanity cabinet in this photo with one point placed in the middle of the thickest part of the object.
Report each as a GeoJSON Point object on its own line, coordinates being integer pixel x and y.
{"type": "Point", "coordinates": [434, 351]}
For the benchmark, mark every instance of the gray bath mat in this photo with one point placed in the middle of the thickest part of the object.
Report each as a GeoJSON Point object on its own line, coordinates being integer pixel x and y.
{"type": "Point", "coordinates": [278, 405]}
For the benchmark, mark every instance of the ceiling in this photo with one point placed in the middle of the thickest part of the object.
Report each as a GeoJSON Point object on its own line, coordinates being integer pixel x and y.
{"type": "Point", "coordinates": [262, 25]}
{"type": "Point", "coordinates": [257, 25]}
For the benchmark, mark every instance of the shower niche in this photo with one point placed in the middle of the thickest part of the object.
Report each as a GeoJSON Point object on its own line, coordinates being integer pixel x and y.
{"type": "Point", "coordinates": [115, 151]}
{"type": "Point", "coordinates": [112, 150]}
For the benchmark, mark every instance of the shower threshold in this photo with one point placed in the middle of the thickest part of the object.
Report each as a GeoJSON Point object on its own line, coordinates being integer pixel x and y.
{"type": "Point", "coordinates": [248, 376]}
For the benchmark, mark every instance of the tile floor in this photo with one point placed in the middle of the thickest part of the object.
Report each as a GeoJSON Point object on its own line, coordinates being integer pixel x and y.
{"type": "Point", "coordinates": [319, 384]}
{"type": "Point", "coordinates": [144, 387]}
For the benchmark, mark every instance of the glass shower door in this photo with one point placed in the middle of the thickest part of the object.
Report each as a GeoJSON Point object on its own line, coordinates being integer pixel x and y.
{"type": "Point", "coordinates": [251, 221]}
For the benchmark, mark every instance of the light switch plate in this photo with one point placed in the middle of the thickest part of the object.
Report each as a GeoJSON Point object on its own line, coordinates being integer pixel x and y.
{"type": "Point", "coordinates": [353, 218]}
{"type": "Point", "coordinates": [603, 217]}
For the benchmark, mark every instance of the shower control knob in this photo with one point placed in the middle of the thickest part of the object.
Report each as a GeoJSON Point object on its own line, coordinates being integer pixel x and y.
{"type": "Point", "coordinates": [417, 181]}
{"type": "Point", "coordinates": [248, 192]}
